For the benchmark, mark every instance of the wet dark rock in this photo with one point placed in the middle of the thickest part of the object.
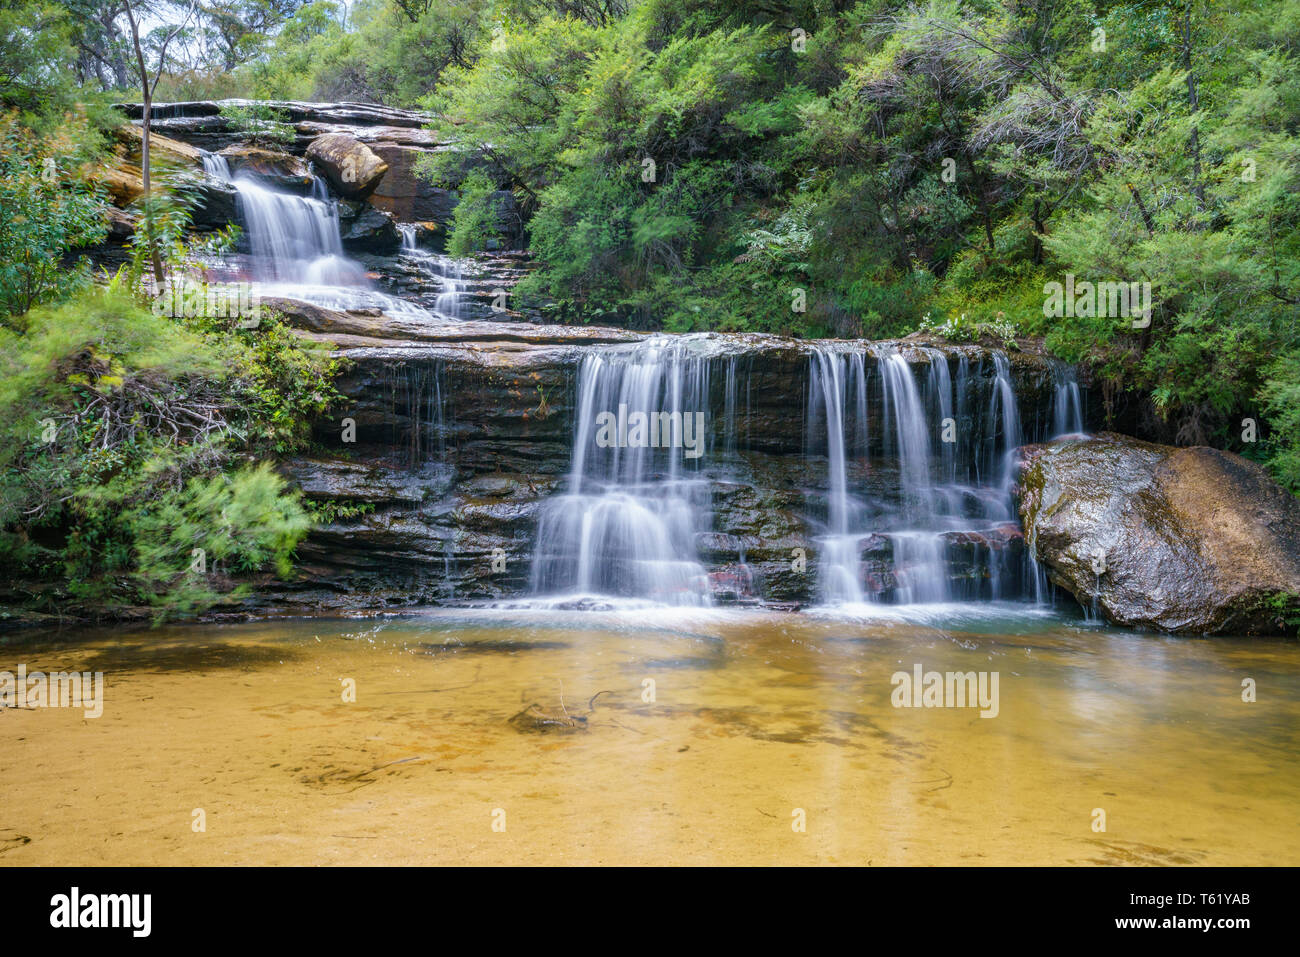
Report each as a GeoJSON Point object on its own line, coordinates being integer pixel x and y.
{"type": "Point", "coordinates": [342, 480]}
{"type": "Point", "coordinates": [366, 229]}
{"type": "Point", "coordinates": [1191, 541]}
{"type": "Point", "coordinates": [464, 429]}
{"type": "Point", "coordinates": [216, 205]}
{"type": "Point", "coordinates": [295, 111]}
{"type": "Point", "coordinates": [509, 222]}
{"type": "Point", "coordinates": [200, 122]}
{"type": "Point", "coordinates": [121, 224]}
{"type": "Point", "coordinates": [733, 584]}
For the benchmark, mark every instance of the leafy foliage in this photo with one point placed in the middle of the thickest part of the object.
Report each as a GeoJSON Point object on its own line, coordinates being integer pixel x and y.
{"type": "Point", "coordinates": [690, 166]}
{"type": "Point", "coordinates": [131, 439]}
{"type": "Point", "coordinates": [259, 124]}
{"type": "Point", "coordinates": [47, 209]}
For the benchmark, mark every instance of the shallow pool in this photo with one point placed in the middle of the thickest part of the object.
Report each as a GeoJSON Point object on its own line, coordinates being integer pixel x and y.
{"type": "Point", "coordinates": [655, 736]}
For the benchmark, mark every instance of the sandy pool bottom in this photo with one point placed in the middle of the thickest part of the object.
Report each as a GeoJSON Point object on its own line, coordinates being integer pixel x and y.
{"type": "Point", "coordinates": [651, 738]}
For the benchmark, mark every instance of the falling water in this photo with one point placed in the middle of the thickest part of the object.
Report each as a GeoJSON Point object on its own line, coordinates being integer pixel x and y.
{"type": "Point", "coordinates": [217, 166]}
{"type": "Point", "coordinates": [1006, 413]}
{"type": "Point", "coordinates": [294, 239]}
{"type": "Point", "coordinates": [625, 526]}
{"type": "Point", "coordinates": [832, 376]}
{"type": "Point", "coordinates": [917, 504]}
{"type": "Point", "coordinates": [1067, 401]}
{"type": "Point", "coordinates": [448, 303]}
{"type": "Point", "coordinates": [295, 246]}
{"type": "Point", "coordinates": [418, 410]}
{"type": "Point", "coordinates": [921, 511]}
{"type": "Point", "coordinates": [448, 273]}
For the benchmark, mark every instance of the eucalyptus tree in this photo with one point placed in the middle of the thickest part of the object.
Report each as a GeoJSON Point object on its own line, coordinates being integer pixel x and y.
{"type": "Point", "coordinates": [162, 39]}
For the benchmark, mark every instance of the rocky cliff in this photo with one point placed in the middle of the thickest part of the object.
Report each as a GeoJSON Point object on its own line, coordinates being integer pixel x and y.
{"type": "Point", "coordinates": [453, 436]}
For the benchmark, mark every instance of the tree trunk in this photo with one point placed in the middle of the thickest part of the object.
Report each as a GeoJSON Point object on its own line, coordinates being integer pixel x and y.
{"type": "Point", "coordinates": [154, 255]}
{"type": "Point", "coordinates": [145, 119]}
{"type": "Point", "coordinates": [1193, 102]}
{"type": "Point", "coordinates": [1036, 217]}
{"type": "Point", "coordinates": [1142, 209]}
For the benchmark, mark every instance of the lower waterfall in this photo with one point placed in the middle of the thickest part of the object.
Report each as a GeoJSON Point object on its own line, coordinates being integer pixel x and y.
{"type": "Point", "coordinates": [626, 523]}
{"type": "Point", "coordinates": [918, 498]}
{"type": "Point", "coordinates": [912, 453]}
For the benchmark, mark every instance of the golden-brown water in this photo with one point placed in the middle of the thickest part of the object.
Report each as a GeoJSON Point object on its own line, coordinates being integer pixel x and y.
{"type": "Point", "coordinates": [754, 715]}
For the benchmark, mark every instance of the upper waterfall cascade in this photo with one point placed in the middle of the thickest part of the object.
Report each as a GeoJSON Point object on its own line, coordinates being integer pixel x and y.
{"type": "Point", "coordinates": [296, 250]}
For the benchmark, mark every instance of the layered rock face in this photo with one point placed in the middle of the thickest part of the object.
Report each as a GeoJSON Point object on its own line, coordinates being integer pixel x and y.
{"type": "Point", "coordinates": [454, 453]}
{"type": "Point", "coordinates": [276, 169]}
{"type": "Point", "coordinates": [122, 176]}
{"type": "Point", "coordinates": [409, 197]}
{"type": "Point", "coordinates": [367, 152]}
{"type": "Point", "coordinates": [1192, 541]}
{"type": "Point", "coordinates": [467, 465]}
{"type": "Point", "coordinates": [123, 180]}
{"type": "Point", "coordinates": [200, 123]}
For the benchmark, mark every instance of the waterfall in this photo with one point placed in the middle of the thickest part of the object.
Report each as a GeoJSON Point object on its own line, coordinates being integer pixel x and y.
{"type": "Point", "coordinates": [625, 526]}
{"type": "Point", "coordinates": [1067, 401]}
{"type": "Point", "coordinates": [295, 245]}
{"type": "Point", "coordinates": [831, 377]}
{"type": "Point", "coordinates": [417, 395]}
{"type": "Point", "coordinates": [294, 239]}
{"type": "Point", "coordinates": [452, 274]}
{"type": "Point", "coordinates": [1006, 414]}
{"type": "Point", "coordinates": [917, 505]}
{"type": "Point", "coordinates": [216, 166]}
{"type": "Point", "coordinates": [921, 510]}
{"type": "Point", "coordinates": [448, 273]}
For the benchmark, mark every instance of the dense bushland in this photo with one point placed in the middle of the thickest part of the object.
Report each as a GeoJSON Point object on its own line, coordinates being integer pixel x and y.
{"type": "Point", "coordinates": [810, 168]}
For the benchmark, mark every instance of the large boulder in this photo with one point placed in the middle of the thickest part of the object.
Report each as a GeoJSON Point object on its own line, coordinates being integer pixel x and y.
{"type": "Point", "coordinates": [123, 182]}
{"type": "Point", "coordinates": [1190, 541]}
{"type": "Point", "coordinates": [351, 167]}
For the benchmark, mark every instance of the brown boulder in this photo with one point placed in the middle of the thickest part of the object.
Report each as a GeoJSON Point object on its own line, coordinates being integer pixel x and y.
{"type": "Point", "coordinates": [407, 195]}
{"type": "Point", "coordinates": [1190, 541]}
{"type": "Point", "coordinates": [350, 166]}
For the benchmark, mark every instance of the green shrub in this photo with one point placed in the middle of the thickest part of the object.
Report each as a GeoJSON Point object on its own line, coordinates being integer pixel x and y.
{"type": "Point", "coordinates": [128, 440]}
{"type": "Point", "coordinates": [46, 209]}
